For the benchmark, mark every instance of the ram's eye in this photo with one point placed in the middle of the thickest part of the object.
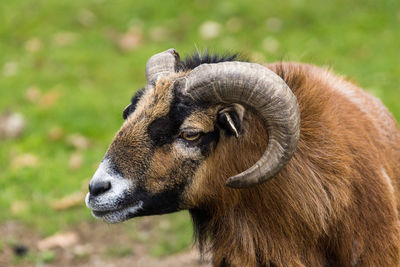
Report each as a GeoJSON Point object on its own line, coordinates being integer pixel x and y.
{"type": "Point", "coordinates": [190, 136]}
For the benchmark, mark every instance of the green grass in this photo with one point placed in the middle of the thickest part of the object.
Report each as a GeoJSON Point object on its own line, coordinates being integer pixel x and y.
{"type": "Point", "coordinates": [94, 79]}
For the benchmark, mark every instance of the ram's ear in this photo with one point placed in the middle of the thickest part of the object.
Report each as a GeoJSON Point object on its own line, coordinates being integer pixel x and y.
{"type": "Point", "coordinates": [230, 119]}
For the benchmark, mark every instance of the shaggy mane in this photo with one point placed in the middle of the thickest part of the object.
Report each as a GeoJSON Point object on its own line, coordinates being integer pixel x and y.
{"type": "Point", "coordinates": [197, 58]}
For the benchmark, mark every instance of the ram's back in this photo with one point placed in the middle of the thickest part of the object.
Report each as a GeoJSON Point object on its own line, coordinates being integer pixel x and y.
{"type": "Point", "coordinates": [340, 121]}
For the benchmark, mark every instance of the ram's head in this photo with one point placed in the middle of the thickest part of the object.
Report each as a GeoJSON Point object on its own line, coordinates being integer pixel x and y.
{"type": "Point", "coordinates": [189, 133]}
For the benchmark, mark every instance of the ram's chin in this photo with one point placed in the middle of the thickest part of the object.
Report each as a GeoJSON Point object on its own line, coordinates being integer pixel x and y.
{"type": "Point", "coordinates": [120, 215]}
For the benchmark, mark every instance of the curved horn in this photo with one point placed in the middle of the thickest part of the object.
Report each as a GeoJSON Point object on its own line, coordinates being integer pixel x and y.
{"type": "Point", "coordinates": [261, 89]}
{"type": "Point", "coordinates": [161, 64]}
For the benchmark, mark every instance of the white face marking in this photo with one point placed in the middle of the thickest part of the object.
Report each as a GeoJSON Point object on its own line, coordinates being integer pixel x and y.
{"type": "Point", "coordinates": [119, 215]}
{"type": "Point", "coordinates": [106, 205]}
{"type": "Point", "coordinates": [183, 150]}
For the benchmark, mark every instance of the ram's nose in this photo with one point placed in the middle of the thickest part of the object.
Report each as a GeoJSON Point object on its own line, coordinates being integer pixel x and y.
{"type": "Point", "coordinates": [99, 187]}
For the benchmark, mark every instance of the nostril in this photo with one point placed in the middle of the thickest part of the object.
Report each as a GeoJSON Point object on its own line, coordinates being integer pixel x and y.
{"type": "Point", "coordinates": [99, 187]}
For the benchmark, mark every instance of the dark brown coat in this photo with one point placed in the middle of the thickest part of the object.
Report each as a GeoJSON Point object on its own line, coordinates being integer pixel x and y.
{"type": "Point", "coordinates": [334, 204]}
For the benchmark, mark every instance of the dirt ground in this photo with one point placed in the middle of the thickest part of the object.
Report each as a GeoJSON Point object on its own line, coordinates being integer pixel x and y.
{"type": "Point", "coordinates": [85, 244]}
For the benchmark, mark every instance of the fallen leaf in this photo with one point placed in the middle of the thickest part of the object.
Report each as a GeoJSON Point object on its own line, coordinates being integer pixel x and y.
{"type": "Point", "coordinates": [17, 207]}
{"type": "Point", "coordinates": [10, 68]}
{"type": "Point", "coordinates": [70, 201]}
{"type": "Point", "coordinates": [64, 38]}
{"type": "Point", "coordinates": [131, 39]}
{"type": "Point", "coordinates": [49, 99]}
{"type": "Point", "coordinates": [82, 250]}
{"type": "Point", "coordinates": [33, 94]}
{"type": "Point", "coordinates": [210, 30]}
{"type": "Point", "coordinates": [11, 125]}
{"type": "Point", "coordinates": [33, 45]}
{"type": "Point", "coordinates": [78, 141]}
{"type": "Point", "coordinates": [164, 224]}
{"type": "Point", "coordinates": [24, 160]}
{"type": "Point", "coordinates": [55, 133]}
{"type": "Point", "coordinates": [75, 161]}
{"type": "Point", "coordinates": [86, 17]}
{"type": "Point", "coordinates": [63, 240]}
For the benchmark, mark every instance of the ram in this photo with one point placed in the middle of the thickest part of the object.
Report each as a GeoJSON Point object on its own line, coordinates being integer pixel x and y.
{"type": "Point", "coordinates": [284, 164]}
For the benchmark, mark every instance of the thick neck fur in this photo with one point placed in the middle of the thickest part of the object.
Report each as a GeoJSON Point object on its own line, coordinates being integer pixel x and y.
{"type": "Point", "coordinates": [262, 225]}
{"type": "Point", "coordinates": [317, 210]}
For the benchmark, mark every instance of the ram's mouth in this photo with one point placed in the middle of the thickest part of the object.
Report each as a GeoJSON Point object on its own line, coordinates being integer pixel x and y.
{"type": "Point", "coordinates": [118, 215]}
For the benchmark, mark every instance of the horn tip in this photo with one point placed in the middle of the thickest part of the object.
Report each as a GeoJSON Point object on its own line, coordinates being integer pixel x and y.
{"type": "Point", "coordinates": [174, 52]}
{"type": "Point", "coordinates": [236, 182]}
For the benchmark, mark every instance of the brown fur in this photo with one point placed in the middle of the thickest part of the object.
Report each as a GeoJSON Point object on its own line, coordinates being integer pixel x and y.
{"type": "Point", "coordinates": [330, 206]}
{"type": "Point", "coordinates": [334, 204]}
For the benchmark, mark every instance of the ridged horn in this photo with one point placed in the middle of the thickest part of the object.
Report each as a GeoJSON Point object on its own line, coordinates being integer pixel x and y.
{"type": "Point", "coordinates": [264, 91]}
{"type": "Point", "coordinates": [161, 64]}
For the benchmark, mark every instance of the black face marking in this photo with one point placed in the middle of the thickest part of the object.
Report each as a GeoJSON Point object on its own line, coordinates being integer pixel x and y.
{"type": "Point", "coordinates": [162, 131]}
{"type": "Point", "coordinates": [209, 141]}
{"type": "Point", "coordinates": [170, 199]}
{"type": "Point", "coordinates": [165, 130]}
{"type": "Point", "coordinates": [135, 99]}
{"type": "Point", "coordinates": [161, 203]}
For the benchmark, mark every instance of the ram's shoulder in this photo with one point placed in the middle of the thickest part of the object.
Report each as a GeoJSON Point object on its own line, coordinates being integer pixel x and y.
{"type": "Point", "coordinates": [302, 76]}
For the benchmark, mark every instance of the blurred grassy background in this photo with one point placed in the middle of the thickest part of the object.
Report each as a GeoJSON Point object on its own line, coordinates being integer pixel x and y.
{"type": "Point", "coordinates": [70, 67]}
